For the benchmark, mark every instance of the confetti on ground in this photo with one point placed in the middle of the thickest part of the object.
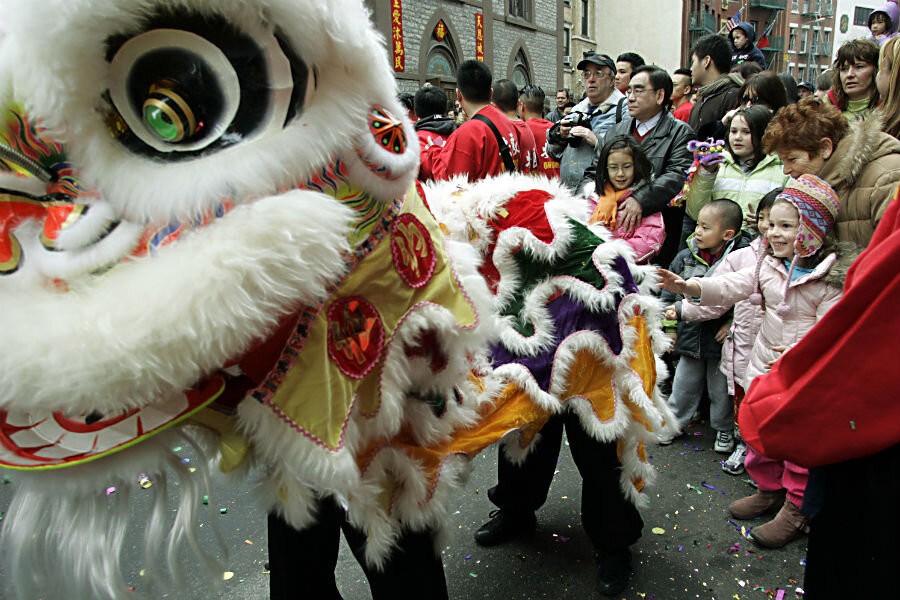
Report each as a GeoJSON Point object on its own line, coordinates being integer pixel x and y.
{"type": "Point", "coordinates": [143, 572]}
{"type": "Point", "coordinates": [690, 487]}
{"type": "Point", "coordinates": [144, 481]}
{"type": "Point", "coordinates": [205, 499]}
{"type": "Point", "coordinates": [223, 510]}
{"type": "Point", "coordinates": [560, 538]}
{"type": "Point", "coordinates": [658, 530]}
{"type": "Point", "coordinates": [6, 479]}
{"type": "Point", "coordinates": [468, 556]}
{"type": "Point", "coordinates": [176, 449]}
{"type": "Point", "coordinates": [248, 542]}
{"type": "Point", "coordinates": [706, 485]}
{"type": "Point", "coordinates": [779, 595]}
{"type": "Point", "coordinates": [473, 575]}
{"type": "Point", "coordinates": [227, 575]}
{"type": "Point", "coordinates": [110, 490]}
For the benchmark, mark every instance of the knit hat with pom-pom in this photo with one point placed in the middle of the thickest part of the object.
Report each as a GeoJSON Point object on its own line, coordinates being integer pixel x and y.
{"type": "Point", "coordinates": [818, 206]}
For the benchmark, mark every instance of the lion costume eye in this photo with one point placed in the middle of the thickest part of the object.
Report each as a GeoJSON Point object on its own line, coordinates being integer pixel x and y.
{"type": "Point", "coordinates": [187, 86]}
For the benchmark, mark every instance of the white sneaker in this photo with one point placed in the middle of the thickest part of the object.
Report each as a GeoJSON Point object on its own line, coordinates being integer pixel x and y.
{"type": "Point", "coordinates": [734, 464]}
{"type": "Point", "coordinates": [665, 439]}
{"type": "Point", "coordinates": [724, 442]}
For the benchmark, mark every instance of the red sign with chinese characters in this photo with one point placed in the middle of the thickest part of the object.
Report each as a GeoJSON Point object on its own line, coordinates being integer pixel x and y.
{"type": "Point", "coordinates": [479, 37]}
{"type": "Point", "coordinates": [440, 31]}
{"type": "Point", "coordinates": [397, 36]}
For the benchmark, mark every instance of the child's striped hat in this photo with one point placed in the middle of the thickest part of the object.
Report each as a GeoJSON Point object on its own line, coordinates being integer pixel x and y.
{"type": "Point", "coordinates": [818, 206]}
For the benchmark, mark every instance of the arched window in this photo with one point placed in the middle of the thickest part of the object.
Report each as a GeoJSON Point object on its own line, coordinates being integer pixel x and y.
{"type": "Point", "coordinates": [521, 72]}
{"type": "Point", "coordinates": [441, 64]}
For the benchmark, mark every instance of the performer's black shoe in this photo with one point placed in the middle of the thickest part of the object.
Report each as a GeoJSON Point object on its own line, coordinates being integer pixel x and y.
{"type": "Point", "coordinates": [613, 571]}
{"type": "Point", "coordinates": [504, 526]}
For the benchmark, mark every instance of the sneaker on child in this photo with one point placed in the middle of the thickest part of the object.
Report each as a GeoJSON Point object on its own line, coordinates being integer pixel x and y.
{"type": "Point", "coordinates": [724, 442]}
{"type": "Point", "coordinates": [734, 464]}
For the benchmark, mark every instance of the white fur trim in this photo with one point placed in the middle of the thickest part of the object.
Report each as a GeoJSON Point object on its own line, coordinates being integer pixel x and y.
{"type": "Point", "coordinates": [63, 83]}
{"type": "Point", "coordinates": [154, 327]}
{"type": "Point", "coordinates": [56, 517]}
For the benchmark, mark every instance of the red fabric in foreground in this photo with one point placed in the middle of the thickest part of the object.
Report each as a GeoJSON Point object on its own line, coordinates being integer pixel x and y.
{"type": "Point", "coordinates": [835, 396]}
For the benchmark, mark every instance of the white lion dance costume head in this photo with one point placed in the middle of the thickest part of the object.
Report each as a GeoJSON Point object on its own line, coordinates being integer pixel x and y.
{"type": "Point", "coordinates": [208, 219]}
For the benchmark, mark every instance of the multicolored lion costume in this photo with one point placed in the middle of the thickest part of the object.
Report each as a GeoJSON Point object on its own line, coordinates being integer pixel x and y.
{"type": "Point", "coordinates": [243, 250]}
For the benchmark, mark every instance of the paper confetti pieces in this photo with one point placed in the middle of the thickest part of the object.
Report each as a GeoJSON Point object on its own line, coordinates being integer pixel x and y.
{"type": "Point", "coordinates": [658, 530]}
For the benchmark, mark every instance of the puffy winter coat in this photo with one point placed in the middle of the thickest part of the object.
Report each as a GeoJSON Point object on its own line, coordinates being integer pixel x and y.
{"type": "Point", "coordinates": [698, 339]}
{"type": "Point", "coordinates": [647, 239]}
{"type": "Point", "coordinates": [749, 52]}
{"type": "Point", "coordinates": [864, 171]}
{"type": "Point", "coordinates": [810, 297]}
{"type": "Point", "coordinates": [746, 321]}
{"type": "Point", "coordinates": [732, 183]}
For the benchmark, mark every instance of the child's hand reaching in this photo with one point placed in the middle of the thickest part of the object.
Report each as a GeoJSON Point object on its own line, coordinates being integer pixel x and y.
{"type": "Point", "coordinates": [675, 284]}
{"type": "Point", "coordinates": [671, 314]}
{"type": "Point", "coordinates": [722, 334]}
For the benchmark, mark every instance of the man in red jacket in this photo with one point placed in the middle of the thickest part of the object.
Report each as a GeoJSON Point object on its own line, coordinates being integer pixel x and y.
{"type": "Point", "coordinates": [531, 107]}
{"type": "Point", "coordinates": [506, 98]}
{"type": "Point", "coordinates": [474, 149]}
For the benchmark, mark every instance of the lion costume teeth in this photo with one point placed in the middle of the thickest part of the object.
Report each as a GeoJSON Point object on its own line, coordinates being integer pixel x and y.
{"type": "Point", "coordinates": [246, 254]}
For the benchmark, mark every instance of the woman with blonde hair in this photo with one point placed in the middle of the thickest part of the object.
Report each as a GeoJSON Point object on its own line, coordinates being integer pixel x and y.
{"type": "Point", "coordinates": [888, 83]}
{"type": "Point", "coordinates": [853, 89]}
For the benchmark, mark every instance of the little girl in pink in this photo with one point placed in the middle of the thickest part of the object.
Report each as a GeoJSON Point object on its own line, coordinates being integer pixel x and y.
{"type": "Point", "coordinates": [797, 279]}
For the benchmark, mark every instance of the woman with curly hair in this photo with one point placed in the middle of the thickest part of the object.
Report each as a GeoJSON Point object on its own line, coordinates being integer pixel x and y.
{"type": "Point", "coordinates": [858, 160]}
{"type": "Point", "coordinates": [888, 83]}
{"type": "Point", "coordinates": [853, 89]}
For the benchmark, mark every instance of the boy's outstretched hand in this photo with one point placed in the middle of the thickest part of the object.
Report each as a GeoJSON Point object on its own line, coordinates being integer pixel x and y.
{"type": "Point", "coordinates": [670, 281]}
{"type": "Point", "coordinates": [675, 284]}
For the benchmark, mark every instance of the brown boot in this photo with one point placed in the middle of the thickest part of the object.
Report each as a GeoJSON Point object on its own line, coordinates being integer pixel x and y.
{"type": "Point", "coordinates": [788, 525]}
{"type": "Point", "coordinates": [758, 504]}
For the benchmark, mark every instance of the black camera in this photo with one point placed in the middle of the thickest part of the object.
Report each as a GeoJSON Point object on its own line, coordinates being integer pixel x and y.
{"type": "Point", "coordinates": [573, 119]}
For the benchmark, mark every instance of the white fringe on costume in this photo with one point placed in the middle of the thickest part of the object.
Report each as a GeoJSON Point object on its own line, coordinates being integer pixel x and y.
{"type": "Point", "coordinates": [66, 523]}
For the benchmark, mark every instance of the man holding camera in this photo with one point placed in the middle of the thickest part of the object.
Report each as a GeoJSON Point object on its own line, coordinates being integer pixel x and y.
{"type": "Point", "coordinates": [573, 139]}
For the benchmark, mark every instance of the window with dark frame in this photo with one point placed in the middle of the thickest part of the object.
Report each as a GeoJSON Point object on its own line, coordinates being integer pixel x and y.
{"type": "Point", "coordinates": [585, 20]}
{"type": "Point", "coordinates": [861, 15]}
{"type": "Point", "coordinates": [520, 9]}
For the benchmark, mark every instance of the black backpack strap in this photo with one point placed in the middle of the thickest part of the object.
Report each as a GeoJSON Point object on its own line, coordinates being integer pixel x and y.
{"type": "Point", "coordinates": [504, 149]}
{"type": "Point", "coordinates": [619, 109]}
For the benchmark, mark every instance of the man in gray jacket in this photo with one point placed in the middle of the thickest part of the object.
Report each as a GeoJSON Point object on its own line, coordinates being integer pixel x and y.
{"type": "Point", "coordinates": [573, 146]}
{"type": "Point", "coordinates": [664, 139]}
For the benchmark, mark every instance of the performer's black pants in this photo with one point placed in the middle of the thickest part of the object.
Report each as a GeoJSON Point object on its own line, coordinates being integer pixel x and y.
{"type": "Point", "coordinates": [610, 520]}
{"type": "Point", "coordinates": [301, 563]}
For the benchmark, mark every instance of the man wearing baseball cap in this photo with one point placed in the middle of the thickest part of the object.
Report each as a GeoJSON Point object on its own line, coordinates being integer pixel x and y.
{"type": "Point", "coordinates": [573, 139]}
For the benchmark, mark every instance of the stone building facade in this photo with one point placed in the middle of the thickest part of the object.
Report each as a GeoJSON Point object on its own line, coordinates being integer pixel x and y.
{"type": "Point", "coordinates": [522, 40]}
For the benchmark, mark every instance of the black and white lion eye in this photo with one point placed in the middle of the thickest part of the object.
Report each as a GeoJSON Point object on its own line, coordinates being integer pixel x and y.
{"type": "Point", "coordinates": [187, 86]}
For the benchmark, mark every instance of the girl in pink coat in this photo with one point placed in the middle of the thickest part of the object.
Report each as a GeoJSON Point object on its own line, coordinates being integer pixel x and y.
{"type": "Point", "coordinates": [796, 280]}
{"type": "Point", "coordinates": [623, 167]}
{"type": "Point", "coordinates": [746, 321]}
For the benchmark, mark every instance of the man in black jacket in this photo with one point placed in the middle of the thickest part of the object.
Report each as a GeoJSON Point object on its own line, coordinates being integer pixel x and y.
{"type": "Point", "coordinates": [664, 139]}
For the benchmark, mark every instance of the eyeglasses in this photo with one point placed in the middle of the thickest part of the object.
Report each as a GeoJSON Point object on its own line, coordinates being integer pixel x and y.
{"type": "Point", "coordinates": [637, 90]}
{"type": "Point", "coordinates": [751, 99]}
{"type": "Point", "coordinates": [595, 74]}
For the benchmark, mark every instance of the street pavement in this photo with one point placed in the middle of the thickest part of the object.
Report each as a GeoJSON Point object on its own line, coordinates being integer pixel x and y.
{"type": "Point", "coordinates": [690, 547]}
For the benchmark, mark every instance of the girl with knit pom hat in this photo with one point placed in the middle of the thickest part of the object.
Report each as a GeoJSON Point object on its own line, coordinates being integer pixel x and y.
{"type": "Point", "coordinates": [798, 278]}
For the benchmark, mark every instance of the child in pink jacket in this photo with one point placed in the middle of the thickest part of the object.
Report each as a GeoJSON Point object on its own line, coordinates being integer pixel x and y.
{"type": "Point", "coordinates": [622, 168]}
{"type": "Point", "coordinates": [796, 281]}
{"type": "Point", "coordinates": [741, 334]}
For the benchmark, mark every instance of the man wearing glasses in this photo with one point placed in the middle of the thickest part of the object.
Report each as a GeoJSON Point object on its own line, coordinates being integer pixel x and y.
{"type": "Point", "coordinates": [573, 139]}
{"type": "Point", "coordinates": [664, 139]}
